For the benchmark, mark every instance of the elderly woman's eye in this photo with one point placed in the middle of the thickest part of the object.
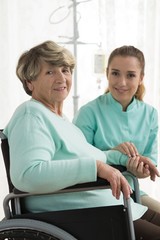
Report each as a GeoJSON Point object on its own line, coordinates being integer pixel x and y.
{"type": "Point", "coordinates": [49, 72]}
{"type": "Point", "coordinates": [66, 69]}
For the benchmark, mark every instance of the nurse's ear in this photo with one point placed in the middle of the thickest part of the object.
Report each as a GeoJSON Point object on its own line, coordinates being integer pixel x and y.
{"type": "Point", "coordinates": [107, 71]}
{"type": "Point", "coordinates": [141, 79]}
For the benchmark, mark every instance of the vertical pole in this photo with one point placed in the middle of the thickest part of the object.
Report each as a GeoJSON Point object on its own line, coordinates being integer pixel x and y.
{"type": "Point", "coordinates": [75, 37]}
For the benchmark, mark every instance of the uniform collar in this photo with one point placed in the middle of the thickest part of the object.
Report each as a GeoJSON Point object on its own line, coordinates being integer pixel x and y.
{"type": "Point", "coordinates": [118, 106]}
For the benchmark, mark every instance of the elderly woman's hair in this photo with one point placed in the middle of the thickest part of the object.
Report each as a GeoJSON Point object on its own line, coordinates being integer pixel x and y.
{"type": "Point", "coordinates": [30, 62]}
{"type": "Point", "coordinates": [131, 51]}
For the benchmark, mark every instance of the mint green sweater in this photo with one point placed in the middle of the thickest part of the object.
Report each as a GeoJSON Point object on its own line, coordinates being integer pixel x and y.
{"type": "Point", "coordinates": [49, 153]}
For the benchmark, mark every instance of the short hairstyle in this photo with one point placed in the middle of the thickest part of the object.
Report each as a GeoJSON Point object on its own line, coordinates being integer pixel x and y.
{"type": "Point", "coordinates": [126, 51]}
{"type": "Point", "coordinates": [30, 62]}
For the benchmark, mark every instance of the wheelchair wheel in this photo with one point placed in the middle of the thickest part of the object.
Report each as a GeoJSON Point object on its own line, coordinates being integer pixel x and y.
{"type": "Point", "coordinates": [27, 229]}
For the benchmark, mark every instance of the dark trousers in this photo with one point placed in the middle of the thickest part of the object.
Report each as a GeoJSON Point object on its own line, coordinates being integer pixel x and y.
{"type": "Point", "coordinates": [148, 227]}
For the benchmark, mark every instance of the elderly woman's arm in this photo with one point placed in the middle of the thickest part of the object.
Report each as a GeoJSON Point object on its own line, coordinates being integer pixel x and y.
{"type": "Point", "coordinates": [35, 164]}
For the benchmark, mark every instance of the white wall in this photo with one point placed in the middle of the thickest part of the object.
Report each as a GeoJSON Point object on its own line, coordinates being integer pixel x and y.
{"type": "Point", "coordinates": [111, 23]}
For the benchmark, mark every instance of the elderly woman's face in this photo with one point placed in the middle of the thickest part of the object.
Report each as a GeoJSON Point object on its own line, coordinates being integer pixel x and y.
{"type": "Point", "coordinates": [52, 85]}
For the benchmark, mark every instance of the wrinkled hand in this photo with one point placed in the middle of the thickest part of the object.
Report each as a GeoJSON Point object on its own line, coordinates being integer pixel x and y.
{"type": "Point", "coordinates": [137, 168]}
{"type": "Point", "coordinates": [115, 178]}
{"type": "Point", "coordinates": [127, 148]}
{"type": "Point", "coordinates": [152, 168]}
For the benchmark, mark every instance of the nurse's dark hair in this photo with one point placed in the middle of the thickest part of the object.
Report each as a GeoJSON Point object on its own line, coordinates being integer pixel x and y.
{"type": "Point", "coordinates": [30, 62]}
{"type": "Point", "coordinates": [131, 51]}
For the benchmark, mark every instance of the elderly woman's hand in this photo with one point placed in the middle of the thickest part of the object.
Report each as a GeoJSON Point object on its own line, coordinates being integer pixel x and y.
{"type": "Point", "coordinates": [152, 168]}
{"type": "Point", "coordinates": [127, 148]}
{"type": "Point", "coordinates": [115, 178]}
{"type": "Point", "coordinates": [137, 168]}
{"type": "Point", "coordinates": [142, 167]}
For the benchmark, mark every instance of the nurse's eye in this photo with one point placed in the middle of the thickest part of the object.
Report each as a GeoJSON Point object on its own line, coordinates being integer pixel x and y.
{"type": "Point", "coordinates": [115, 73]}
{"type": "Point", "coordinates": [131, 75]}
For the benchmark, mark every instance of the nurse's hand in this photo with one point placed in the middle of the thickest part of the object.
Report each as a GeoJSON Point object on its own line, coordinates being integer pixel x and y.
{"type": "Point", "coordinates": [115, 178]}
{"type": "Point", "coordinates": [127, 148]}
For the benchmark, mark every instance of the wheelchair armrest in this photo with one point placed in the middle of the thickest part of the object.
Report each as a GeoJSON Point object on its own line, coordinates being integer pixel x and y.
{"type": "Point", "coordinates": [16, 194]}
{"type": "Point", "coordinates": [100, 183]}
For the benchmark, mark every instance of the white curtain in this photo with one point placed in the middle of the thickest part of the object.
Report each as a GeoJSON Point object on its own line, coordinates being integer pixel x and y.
{"type": "Point", "coordinates": [102, 26]}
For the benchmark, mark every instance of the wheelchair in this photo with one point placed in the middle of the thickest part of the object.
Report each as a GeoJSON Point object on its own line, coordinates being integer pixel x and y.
{"type": "Point", "coordinates": [100, 223]}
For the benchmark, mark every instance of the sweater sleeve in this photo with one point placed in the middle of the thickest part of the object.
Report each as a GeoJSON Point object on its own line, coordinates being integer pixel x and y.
{"type": "Point", "coordinates": [35, 166]}
{"type": "Point", "coordinates": [151, 149]}
{"type": "Point", "coordinates": [116, 158]}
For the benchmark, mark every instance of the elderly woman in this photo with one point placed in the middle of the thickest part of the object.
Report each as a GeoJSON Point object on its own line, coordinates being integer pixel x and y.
{"type": "Point", "coordinates": [49, 153]}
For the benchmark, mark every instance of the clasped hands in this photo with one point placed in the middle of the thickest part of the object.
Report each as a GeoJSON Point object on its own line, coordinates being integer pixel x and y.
{"type": "Point", "coordinates": [140, 166]}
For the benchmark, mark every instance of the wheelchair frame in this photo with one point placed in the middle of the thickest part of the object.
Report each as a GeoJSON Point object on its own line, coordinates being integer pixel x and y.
{"type": "Point", "coordinates": [13, 228]}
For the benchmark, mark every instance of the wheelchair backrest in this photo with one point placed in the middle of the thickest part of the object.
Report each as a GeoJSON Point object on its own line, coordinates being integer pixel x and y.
{"type": "Point", "coordinates": [6, 158]}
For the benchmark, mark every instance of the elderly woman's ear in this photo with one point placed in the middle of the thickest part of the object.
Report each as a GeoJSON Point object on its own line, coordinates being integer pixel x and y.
{"type": "Point", "coordinates": [29, 85]}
